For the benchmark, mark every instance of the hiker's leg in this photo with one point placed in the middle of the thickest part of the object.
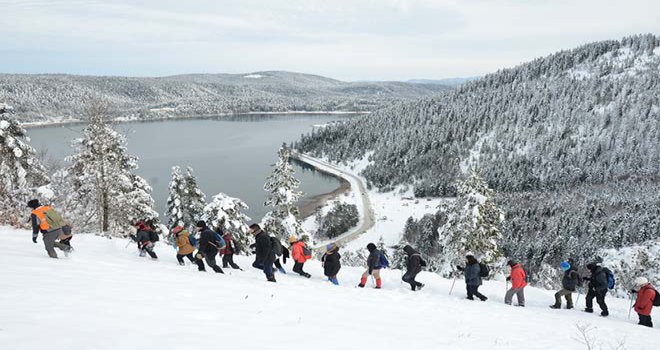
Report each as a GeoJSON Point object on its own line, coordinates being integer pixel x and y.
{"type": "Point", "coordinates": [508, 297]}
{"type": "Point", "coordinates": [520, 295]}
{"type": "Point", "coordinates": [49, 242]}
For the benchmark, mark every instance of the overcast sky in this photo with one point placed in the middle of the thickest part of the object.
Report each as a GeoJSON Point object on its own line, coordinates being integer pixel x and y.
{"type": "Point", "coordinates": [344, 39]}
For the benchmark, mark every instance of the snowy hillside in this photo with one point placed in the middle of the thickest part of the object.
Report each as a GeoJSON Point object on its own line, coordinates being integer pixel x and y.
{"type": "Point", "coordinates": [55, 97]}
{"type": "Point", "coordinates": [106, 297]}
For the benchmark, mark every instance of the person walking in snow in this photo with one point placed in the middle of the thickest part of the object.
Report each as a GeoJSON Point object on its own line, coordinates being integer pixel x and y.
{"type": "Point", "coordinates": [300, 254]}
{"type": "Point", "coordinates": [472, 272]}
{"type": "Point", "coordinates": [264, 254]}
{"type": "Point", "coordinates": [229, 251]}
{"type": "Point", "coordinates": [209, 246]}
{"type": "Point", "coordinates": [49, 223]}
{"type": "Point", "coordinates": [518, 280]}
{"type": "Point", "coordinates": [414, 264]}
{"type": "Point", "coordinates": [145, 239]}
{"type": "Point", "coordinates": [646, 294]}
{"type": "Point", "coordinates": [569, 284]}
{"type": "Point", "coordinates": [597, 289]}
{"type": "Point", "coordinates": [375, 262]}
{"type": "Point", "coordinates": [331, 262]}
{"type": "Point", "coordinates": [182, 239]}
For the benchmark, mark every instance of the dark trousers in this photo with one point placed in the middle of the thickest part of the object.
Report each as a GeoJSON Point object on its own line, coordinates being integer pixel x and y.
{"type": "Point", "coordinates": [409, 277]}
{"type": "Point", "coordinates": [179, 257]}
{"type": "Point", "coordinates": [600, 299]}
{"type": "Point", "coordinates": [645, 320]}
{"type": "Point", "coordinates": [228, 260]}
{"type": "Point", "coordinates": [210, 260]}
{"type": "Point", "coordinates": [473, 291]}
{"type": "Point", "coordinates": [277, 264]}
{"type": "Point", "coordinates": [147, 247]}
{"type": "Point", "coordinates": [266, 268]}
{"type": "Point", "coordinates": [298, 268]}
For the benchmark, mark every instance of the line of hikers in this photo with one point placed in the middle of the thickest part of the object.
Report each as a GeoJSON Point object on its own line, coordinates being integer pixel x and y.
{"type": "Point", "coordinates": [600, 280]}
{"type": "Point", "coordinates": [269, 249]}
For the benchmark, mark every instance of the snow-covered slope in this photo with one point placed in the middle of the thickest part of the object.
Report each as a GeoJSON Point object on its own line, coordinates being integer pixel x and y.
{"type": "Point", "coordinates": [106, 297]}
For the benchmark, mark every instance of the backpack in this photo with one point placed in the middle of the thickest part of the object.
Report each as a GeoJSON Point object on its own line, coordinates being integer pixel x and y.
{"type": "Point", "coordinates": [383, 262]}
{"type": "Point", "coordinates": [219, 240]}
{"type": "Point", "coordinates": [656, 300]}
{"type": "Point", "coordinates": [54, 219]}
{"type": "Point", "coordinates": [276, 246]}
{"type": "Point", "coordinates": [610, 279]}
{"type": "Point", "coordinates": [307, 252]}
{"type": "Point", "coordinates": [484, 270]}
{"type": "Point", "coordinates": [153, 236]}
{"type": "Point", "coordinates": [193, 241]}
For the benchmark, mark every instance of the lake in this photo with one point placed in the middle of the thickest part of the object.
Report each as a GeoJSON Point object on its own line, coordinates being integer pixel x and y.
{"type": "Point", "coordinates": [228, 154]}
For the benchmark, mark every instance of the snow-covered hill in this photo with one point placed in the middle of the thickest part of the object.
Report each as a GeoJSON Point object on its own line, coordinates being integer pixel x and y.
{"type": "Point", "coordinates": [53, 97]}
{"type": "Point", "coordinates": [106, 297]}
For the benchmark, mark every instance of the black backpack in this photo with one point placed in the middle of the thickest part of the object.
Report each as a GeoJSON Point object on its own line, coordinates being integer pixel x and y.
{"type": "Point", "coordinates": [484, 270]}
{"type": "Point", "coordinates": [276, 246]}
{"type": "Point", "coordinates": [153, 236]}
{"type": "Point", "coordinates": [656, 301]}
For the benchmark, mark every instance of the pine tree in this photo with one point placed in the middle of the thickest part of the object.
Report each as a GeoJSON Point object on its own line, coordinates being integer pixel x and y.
{"type": "Point", "coordinates": [107, 196]}
{"type": "Point", "coordinates": [194, 199]}
{"type": "Point", "coordinates": [283, 220]}
{"type": "Point", "coordinates": [21, 172]}
{"type": "Point", "coordinates": [226, 213]}
{"type": "Point", "coordinates": [175, 206]}
{"type": "Point", "coordinates": [472, 225]}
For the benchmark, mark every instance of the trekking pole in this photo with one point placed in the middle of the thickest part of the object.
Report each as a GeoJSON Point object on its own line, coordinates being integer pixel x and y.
{"type": "Point", "coordinates": [452, 284]}
{"type": "Point", "coordinates": [577, 299]}
{"type": "Point", "coordinates": [631, 306]}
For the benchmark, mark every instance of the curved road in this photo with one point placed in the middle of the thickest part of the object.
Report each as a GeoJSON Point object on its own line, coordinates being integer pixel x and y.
{"type": "Point", "coordinates": [367, 218]}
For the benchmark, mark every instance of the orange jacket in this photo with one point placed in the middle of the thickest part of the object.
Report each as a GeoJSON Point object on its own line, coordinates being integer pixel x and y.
{"type": "Point", "coordinates": [518, 277]}
{"type": "Point", "coordinates": [183, 242]}
{"type": "Point", "coordinates": [297, 252]}
{"type": "Point", "coordinates": [644, 303]}
{"type": "Point", "coordinates": [40, 213]}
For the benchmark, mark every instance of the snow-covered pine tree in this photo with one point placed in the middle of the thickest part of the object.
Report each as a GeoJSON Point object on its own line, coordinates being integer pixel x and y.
{"type": "Point", "coordinates": [175, 207]}
{"type": "Point", "coordinates": [108, 197]}
{"type": "Point", "coordinates": [194, 200]}
{"type": "Point", "coordinates": [21, 172]}
{"type": "Point", "coordinates": [283, 221]}
{"type": "Point", "coordinates": [226, 212]}
{"type": "Point", "coordinates": [472, 225]}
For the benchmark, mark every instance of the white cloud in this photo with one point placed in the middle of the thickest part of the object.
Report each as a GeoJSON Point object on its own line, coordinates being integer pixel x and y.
{"type": "Point", "coordinates": [347, 39]}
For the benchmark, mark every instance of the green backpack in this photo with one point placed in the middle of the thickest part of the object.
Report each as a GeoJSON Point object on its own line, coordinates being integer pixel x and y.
{"type": "Point", "coordinates": [54, 219]}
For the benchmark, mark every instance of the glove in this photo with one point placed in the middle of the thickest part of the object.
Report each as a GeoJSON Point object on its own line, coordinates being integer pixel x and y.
{"type": "Point", "coordinates": [508, 278]}
{"type": "Point", "coordinates": [34, 238]}
{"type": "Point", "coordinates": [632, 291]}
{"type": "Point", "coordinates": [460, 268]}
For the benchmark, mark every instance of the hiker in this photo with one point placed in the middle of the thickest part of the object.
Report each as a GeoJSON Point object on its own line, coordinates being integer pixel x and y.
{"type": "Point", "coordinates": [414, 263]}
{"type": "Point", "coordinates": [228, 252]}
{"type": "Point", "coordinates": [210, 244]}
{"type": "Point", "coordinates": [518, 280]}
{"type": "Point", "coordinates": [283, 252]}
{"type": "Point", "coordinates": [331, 262]}
{"type": "Point", "coordinates": [300, 254]}
{"type": "Point", "coordinates": [569, 284]}
{"type": "Point", "coordinates": [472, 272]}
{"type": "Point", "coordinates": [186, 248]}
{"type": "Point", "coordinates": [598, 286]}
{"type": "Point", "coordinates": [47, 221]}
{"type": "Point", "coordinates": [145, 239]}
{"type": "Point", "coordinates": [375, 262]}
{"type": "Point", "coordinates": [646, 296]}
{"type": "Point", "coordinates": [264, 255]}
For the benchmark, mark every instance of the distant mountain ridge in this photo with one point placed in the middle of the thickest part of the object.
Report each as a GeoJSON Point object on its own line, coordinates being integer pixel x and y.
{"type": "Point", "coordinates": [41, 97]}
{"type": "Point", "coordinates": [447, 82]}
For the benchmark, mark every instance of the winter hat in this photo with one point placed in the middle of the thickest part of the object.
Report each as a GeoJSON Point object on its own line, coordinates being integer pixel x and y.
{"type": "Point", "coordinates": [34, 204]}
{"type": "Point", "coordinates": [591, 266]}
{"type": "Point", "coordinates": [293, 239]}
{"type": "Point", "coordinates": [371, 247]}
{"type": "Point", "coordinates": [640, 282]}
{"type": "Point", "coordinates": [565, 265]}
{"type": "Point", "coordinates": [304, 238]}
{"type": "Point", "coordinates": [511, 263]}
{"type": "Point", "coordinates": [177, 229]}
{"type": "Point", "coordinates": [330, 247]}
{"type": "Point", "coordinates": [201, 224]}
{"type": "Point", "coordinates": [469, 254]}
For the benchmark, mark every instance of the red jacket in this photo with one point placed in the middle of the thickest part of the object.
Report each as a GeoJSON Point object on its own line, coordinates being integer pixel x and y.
{"type": "Point", "coordinates": [298, 254]}
{"type": "Point", "coordinates": [229, 245]}
{"type": "Point", "coordinates": [518, 277]}
{"type": "Point", "coordinates": [644, 303]}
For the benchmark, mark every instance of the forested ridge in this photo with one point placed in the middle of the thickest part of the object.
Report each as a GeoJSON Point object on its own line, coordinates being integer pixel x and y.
{"type": "Point", "coordinates": [569, 142]}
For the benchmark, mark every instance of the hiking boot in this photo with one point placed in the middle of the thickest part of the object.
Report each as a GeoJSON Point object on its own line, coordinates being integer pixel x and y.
{"type": "Point", "coordinates": [469, 298]}
{"type": "Point", "coordinates": [588, 310]}
{"type": "Point", "coordinates": [484, 298]}
{"type": "Point", "coordinates": [569, 306]}
{"type": "Point", "coordinates": [421, 285]}
{"type": "Point", "coordinates": [555, 306]}
{"type": "Point", "coordinates": [307, 275]}
{"type": "Point", "coordinates": [604, 313]}
{"type": "Point", "coordinates": [271, 279]}
{"type": "Point", "coordinates": [361, 285]}
{"type": "Point", "coordinates": [377, 287]}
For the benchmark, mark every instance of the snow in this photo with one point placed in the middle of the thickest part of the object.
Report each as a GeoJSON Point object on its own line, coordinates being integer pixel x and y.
{"type": "Point", "coordinates": [4, 124]}
{"type": "Point", "coordinates": [106, 297]}
{"type": "Point", "coordinates": [253, 76]}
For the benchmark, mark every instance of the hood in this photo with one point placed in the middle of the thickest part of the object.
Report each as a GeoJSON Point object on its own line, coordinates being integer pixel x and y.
{"type": "Point", "coordinates": [409, 250]}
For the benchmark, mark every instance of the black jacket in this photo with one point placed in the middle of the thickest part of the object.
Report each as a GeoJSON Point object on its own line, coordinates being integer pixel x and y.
{"type": "Point", "coordinates": [331, 263]}
{"type": "Point", "coordinates": [473, 274]}
{"type": "Point", "coordinates": [570, 279]}
{"type": "Point", "coordinates": [143, 236]}
{"type": "Point", "coordinates": [598, 280]}
{"type": "Point", "coordinates": [207, 242]}
{"type": "Point", "coordinates": [373, 261]}
{"type": "Point", "coordinates": [263, 245]}
{"type": "Point", "coordinates": [413, 260]}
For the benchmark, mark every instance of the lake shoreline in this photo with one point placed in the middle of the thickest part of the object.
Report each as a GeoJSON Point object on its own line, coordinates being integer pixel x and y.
{"type": "Point", "coordinates": [70, 122]}
{"type": "Point", "coordinates": [312, 204]}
